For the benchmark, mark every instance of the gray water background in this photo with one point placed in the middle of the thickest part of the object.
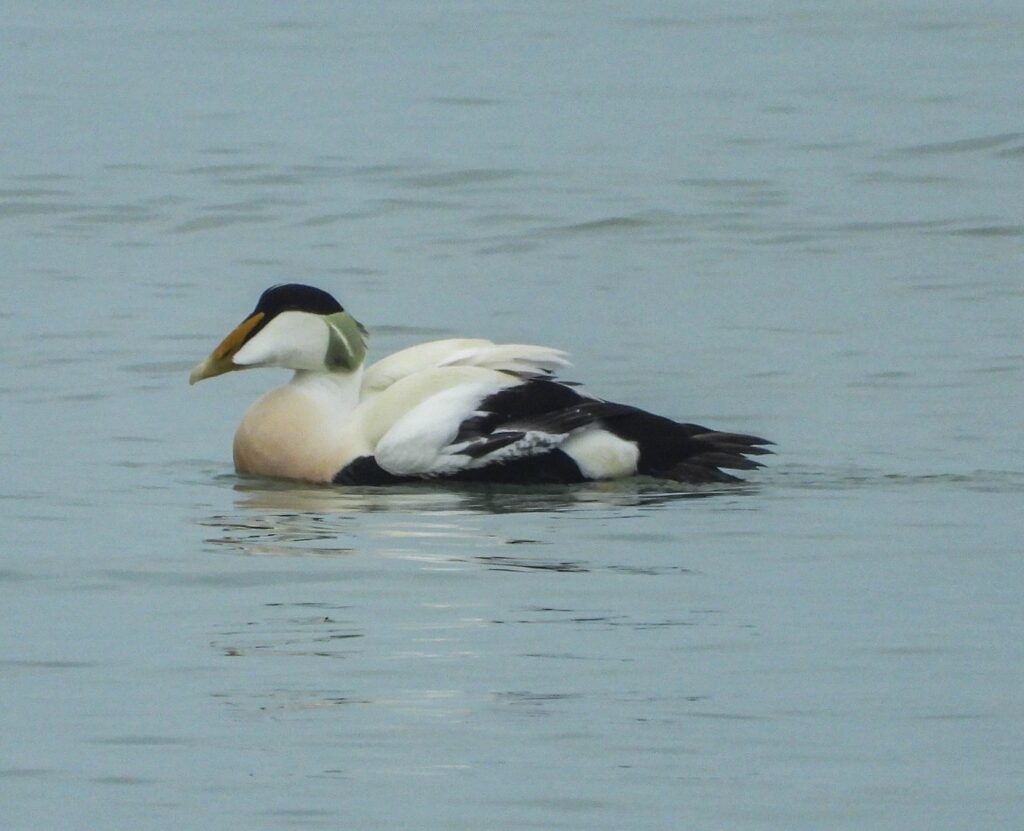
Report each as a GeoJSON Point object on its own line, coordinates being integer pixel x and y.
{"type": "Point", "coordinates": [797, 219]}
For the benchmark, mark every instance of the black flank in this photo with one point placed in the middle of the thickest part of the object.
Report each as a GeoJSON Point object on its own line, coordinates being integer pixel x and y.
{"type": "Point", "coordinates": [366, 471]}
{"type": "Point", "coordinates": [551, 468]}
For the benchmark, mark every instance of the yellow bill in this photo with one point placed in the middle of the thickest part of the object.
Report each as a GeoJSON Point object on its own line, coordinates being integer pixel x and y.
{"type": "Point", "coordinates": [219, 360]}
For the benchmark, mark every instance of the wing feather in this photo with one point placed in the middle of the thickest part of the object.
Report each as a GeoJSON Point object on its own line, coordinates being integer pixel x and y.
{"type": "Point", "coordinates": [476, 426]}
{"type": "Point", "coordinates": [519, 359]}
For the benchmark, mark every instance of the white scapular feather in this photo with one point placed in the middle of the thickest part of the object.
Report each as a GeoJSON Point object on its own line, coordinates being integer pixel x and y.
{"type": "Point", "coordinates": [520, 359]}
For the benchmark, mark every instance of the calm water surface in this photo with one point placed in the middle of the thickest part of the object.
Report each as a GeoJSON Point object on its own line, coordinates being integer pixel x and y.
{"type": "Point", "coordinates": [778, 218]}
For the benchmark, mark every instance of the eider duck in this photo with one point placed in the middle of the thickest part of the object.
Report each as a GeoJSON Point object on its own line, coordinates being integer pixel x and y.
{"type": "Point", "coordinates": [458, 409]}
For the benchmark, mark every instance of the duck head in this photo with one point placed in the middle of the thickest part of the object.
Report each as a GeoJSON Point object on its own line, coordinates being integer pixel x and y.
{"type": "Point", "coordinates": [295, 327]}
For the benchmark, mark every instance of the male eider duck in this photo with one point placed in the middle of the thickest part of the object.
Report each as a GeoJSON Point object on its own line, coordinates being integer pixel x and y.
{"type": "Point", "coordinates": [459, 409]}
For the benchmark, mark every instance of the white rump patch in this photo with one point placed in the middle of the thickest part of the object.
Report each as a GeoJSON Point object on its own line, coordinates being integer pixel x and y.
{"type": "Point", "coordinates": [602, 455]}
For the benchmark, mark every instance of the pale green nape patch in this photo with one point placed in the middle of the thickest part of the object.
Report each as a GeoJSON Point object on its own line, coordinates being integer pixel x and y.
{"type": "Point", "coordinates": [346, 345]}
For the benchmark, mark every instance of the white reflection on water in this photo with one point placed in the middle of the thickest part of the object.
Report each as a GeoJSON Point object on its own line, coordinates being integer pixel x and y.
{"type": "Point", "coordinates": [425, 522]}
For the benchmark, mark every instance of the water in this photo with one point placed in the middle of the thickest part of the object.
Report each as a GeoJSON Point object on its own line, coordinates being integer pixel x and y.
{"type": "Point", "coordinates": [777, 218]}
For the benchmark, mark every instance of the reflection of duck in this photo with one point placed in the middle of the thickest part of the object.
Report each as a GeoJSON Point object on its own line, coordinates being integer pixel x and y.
{"type": "Point", "coordinates": [279, 498]}
{"type": "Point", "coordinates": [461, 409]}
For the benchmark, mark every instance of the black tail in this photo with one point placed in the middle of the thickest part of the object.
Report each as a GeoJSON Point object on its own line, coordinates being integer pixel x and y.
{"type": "Point", "coordinates": [714, 451]}
{"type": "Point", "coordinates": [686, 452]}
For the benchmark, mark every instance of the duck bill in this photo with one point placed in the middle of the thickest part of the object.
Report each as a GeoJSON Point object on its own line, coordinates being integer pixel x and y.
{"type": "Point", "coordinates": [221, 359]}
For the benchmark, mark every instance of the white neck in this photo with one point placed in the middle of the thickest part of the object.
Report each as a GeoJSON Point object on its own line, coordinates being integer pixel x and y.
{"type": "Point", "coordinates": [337, 392]}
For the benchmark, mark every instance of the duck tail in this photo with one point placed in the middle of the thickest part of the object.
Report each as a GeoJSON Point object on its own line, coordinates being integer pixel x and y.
{"type": "Point", "coordinates": [686, 452]}
{"type": "Point", "coordinates": [711, 453]}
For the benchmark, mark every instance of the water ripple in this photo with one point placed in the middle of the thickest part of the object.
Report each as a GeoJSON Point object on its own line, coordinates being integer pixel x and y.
{"type": "Point", "coordinates": [967, 145]}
